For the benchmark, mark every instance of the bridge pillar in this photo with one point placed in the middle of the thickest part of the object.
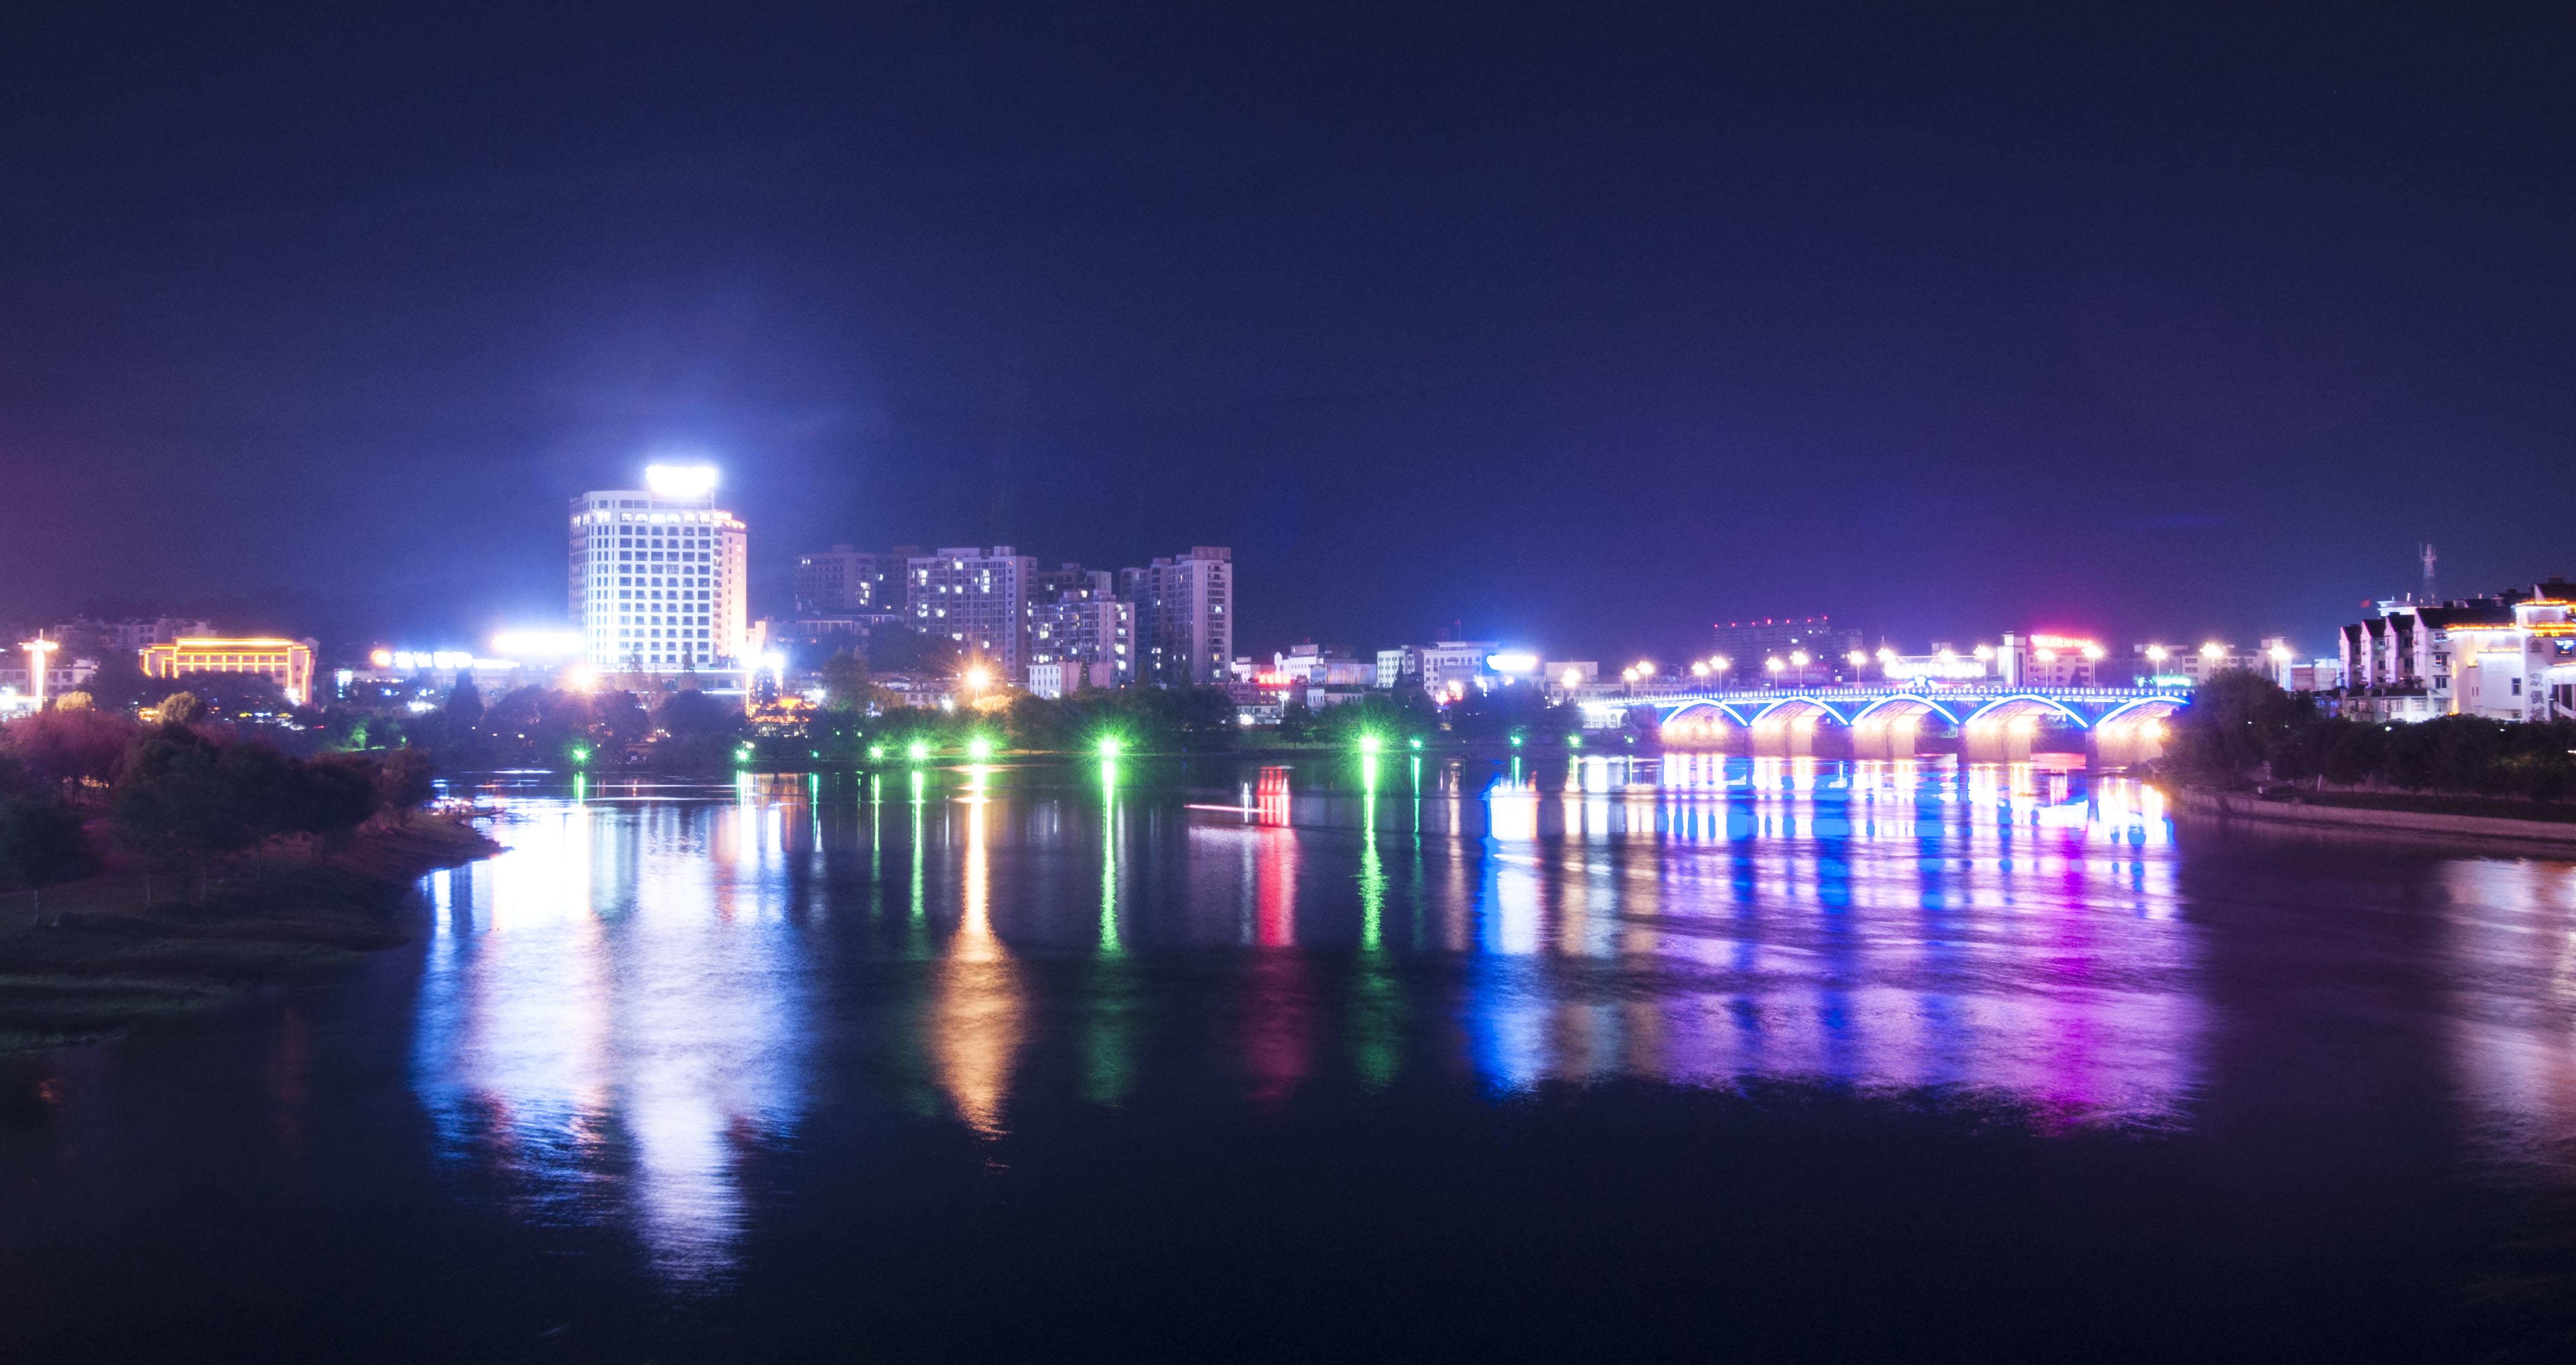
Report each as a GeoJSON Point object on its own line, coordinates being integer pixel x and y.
{"type": "Point", "coordinates": [1894, 737]}
{"type": "Point", "coordinates": [1998, 740]}
{"type": "Point", "coordinates": [2123, 742]}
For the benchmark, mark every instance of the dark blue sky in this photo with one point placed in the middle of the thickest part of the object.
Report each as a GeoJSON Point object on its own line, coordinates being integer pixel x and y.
{"type": "Point", "coordinates": [1586, 329]}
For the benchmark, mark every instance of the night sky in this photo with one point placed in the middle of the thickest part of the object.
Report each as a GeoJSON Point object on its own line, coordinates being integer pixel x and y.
{"type": "Point", "coordinates": [1582, 329]}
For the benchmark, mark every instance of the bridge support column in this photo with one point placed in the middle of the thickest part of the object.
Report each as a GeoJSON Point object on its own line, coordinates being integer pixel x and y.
{"type": "Point", "coordinates": [1885, 739]}
{"type": "Point", "coordinates": [1998, 741]}
{"type": "Point", "coordinates": [2121, 743]}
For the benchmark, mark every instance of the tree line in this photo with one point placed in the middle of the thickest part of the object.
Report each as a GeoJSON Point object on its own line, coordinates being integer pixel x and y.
{"type": "Point", "coordinates": [177, 793]}
{"type": "Point", "coordinates": [2243, 725]}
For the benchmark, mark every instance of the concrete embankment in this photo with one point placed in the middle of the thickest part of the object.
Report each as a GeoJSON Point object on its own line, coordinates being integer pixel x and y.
{"type": "Point", "coordinates": [2538, 835]}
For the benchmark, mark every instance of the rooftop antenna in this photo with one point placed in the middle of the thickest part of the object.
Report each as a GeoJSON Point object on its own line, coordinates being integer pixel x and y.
{"type": "Point", "coordinates": [2426, 550]}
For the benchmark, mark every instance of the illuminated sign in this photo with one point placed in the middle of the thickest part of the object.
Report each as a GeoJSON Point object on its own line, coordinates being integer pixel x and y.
{"type": "Point", "coordinates": [543, 644]}
{"type": "Point", "coordinates": [1952, 669]}
{"type": "Point", "coordinates": [681, 480]}
{"type": "Point", "coordinates": [435, 658]}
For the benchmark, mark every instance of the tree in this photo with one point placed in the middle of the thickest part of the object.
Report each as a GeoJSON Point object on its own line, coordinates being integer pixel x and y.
{"type": "Point", "coordinates": [620, 716]}
{"type": "Point", "coordinates": [464, 706]}
{"type": "Point", "coordinates": [171, 803]}
{"type": "Point", "coordinates": [403, 781]}
{"type": "Point", "coordinates": [2235, 722]}
{"type": "Point", "coordinates": [692, 715]}
{"type": "Point", "coordinates": [69, 746]}
{"type": "Point", "coordinates": [180, 708]}
{"type": "Point", "coordinates": [333, 795]}
{"type": "Point", "coordinates": [40, 843]}
{"type": "Point", "coordinates": [117, 684]}
{"type": "Point", "coordinates": [846, 682]}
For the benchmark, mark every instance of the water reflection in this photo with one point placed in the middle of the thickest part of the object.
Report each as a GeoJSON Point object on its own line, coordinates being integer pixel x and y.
{"type": "Point", "coordinates": [974, 1027]}
{"type": "Point", "coordinates": [622, 1010]}
{"type": "Point", "coordinates": [611, 1015]}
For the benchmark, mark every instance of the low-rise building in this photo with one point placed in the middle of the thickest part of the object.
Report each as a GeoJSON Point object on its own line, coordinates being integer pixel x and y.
{"type": "Point", "coordinates": [288, 663]}
{"type": "Point", "coordinates": [2511, 656]}
{"type": "Point", "coordinates": [2049, 660]}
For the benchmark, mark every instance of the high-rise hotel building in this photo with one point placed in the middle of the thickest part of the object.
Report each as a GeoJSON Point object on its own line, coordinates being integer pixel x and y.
{"type": "Point", "coordinates": [657, 575]}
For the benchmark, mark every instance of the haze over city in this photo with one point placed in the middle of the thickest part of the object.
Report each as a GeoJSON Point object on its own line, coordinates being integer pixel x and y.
{"type": "Point", "coordinates": [1564, 326]}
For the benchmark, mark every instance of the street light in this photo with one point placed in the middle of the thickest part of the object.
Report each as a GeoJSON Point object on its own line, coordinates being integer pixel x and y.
{"type": "Point", "coordinates": [2157, 654]}
{"type": "Point", "coordinates": [2213, 650]}
{"type": "Point", "coordinates": [37, 649]}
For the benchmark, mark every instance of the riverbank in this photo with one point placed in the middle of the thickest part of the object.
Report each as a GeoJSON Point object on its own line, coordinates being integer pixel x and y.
{"type": "Point", "coordinates": [90, 959]}
{"type": "Point", "coordinates": [2540, 828]}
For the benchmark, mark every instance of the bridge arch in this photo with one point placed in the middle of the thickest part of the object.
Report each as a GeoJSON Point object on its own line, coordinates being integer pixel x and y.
{"type": "Point", "coordinates": [1701, 723]}
{"type": "Point", "coordinates": [2143, 708]}
{"type": "Point", "coordinates": [1704, 704]}
{"type": "Point", "coordinates": [1903, 699]}
{"type": "Point", "coordinates": [1792, 709]}
{"type": "Point", "coordinates": [2021, 703]}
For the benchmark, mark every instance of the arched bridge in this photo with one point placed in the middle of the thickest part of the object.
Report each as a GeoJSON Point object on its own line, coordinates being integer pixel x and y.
{"type": "Point", "coordinates": [2121, 723]}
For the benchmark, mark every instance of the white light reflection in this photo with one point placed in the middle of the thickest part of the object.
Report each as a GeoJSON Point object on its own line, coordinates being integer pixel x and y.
{"type": "Point", "coordinates": [597, 1022]}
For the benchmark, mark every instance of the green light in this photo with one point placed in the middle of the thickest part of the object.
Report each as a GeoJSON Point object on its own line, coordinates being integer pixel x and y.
{"type": "Point", "coordinates": [1414, 743]}
{"type": "Point", "coordinates": [1370, 744]}
{"type": "Point", "coordinates": [580, 754]}
{"type": "Point", "coordinates": [876, 753]}
{"type": "Point", "coordinates": [1574, 741]}
{"type": "Point", "coordinates": [1516, 741]}
{"type": "Point", "coordinates": [979, 747]}
{"type": "Point", "coordinates": [917, 750]}
{"type": "Point", "coordinates": [743, 754]}
{"type": "Point", "coordinates": [1109, 746]}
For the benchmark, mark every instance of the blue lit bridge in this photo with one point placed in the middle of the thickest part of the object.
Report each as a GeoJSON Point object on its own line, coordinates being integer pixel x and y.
{"type": "Point", "coordinates": [2002, 724]}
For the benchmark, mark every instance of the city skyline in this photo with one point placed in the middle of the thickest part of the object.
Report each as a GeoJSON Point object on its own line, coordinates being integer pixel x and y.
{"type": "Point", "coordinates": [1780, 322]}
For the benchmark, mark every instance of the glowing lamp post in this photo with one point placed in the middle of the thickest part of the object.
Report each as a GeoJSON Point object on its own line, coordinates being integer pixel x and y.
{"type": "Point", "coordinates": [37, 649]}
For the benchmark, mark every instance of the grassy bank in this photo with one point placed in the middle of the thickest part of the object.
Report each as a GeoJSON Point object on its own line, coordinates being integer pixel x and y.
{"type": "Point", "coordinates": [89, 959]}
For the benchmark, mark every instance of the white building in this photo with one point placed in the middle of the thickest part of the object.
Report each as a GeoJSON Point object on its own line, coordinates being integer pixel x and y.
{"type": "Point", "coordinates": [1184, 620]}
{"type": "Point", "coordinates": [2044, 660]}
{"type": "Point", "coordinates": [1393, 664]}
{"type": "Point", "coordinates": [978, 599]}
{"type": "Point", "coordinates": [132, 636]}
{"type": "Point", "coordinates": [2507, 657]}
{"type": "Point", "coordinates": [657, 575]}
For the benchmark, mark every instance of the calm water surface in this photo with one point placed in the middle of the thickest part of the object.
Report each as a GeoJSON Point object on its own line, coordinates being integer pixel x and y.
{"type": "Point", "coordinates": [1359, 1057]}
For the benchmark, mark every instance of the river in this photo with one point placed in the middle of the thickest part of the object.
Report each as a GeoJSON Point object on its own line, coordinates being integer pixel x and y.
{"type": "Point", "coordinates": [1349, 1057]}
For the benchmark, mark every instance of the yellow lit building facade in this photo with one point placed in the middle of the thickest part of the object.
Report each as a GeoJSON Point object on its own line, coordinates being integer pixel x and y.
{"type": "Point", "coordinates": [288, 663]}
